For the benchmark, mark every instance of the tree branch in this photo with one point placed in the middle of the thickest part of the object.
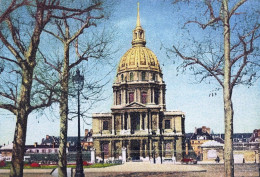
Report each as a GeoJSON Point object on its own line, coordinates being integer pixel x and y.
{"type": "Point", "coordinates": [236, 7]}
{"type": "Point", "coordinates": [197, 61]}
{"type": "Point", "coordinates": [8, 59]}
{"type": "Point", "coordinates": [11, 49]}
{"type": "Point", "coordinates": [9, 107]}
{"type": "Point", "coordinates": [13, 6]}
{"type": "Point", "coordinates": [14, 35]}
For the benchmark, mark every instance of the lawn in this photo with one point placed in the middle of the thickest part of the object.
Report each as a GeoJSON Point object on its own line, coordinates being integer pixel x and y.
{"type": "Point", "coordinates": [97, 165]}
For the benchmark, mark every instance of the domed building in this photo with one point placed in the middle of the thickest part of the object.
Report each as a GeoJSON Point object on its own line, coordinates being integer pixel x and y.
{"type": "Point", "coordinates": [139, 122]}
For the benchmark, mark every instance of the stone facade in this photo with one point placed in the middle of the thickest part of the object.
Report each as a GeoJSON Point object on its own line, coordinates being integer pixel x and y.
{"type": "Point", "coordinates": [138, 120]}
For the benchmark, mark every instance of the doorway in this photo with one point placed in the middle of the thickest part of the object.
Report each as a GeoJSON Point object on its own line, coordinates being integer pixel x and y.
{"type": "Point", "coordinates": [135, 151]}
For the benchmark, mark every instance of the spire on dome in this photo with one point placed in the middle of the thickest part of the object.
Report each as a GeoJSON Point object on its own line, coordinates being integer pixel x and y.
{"type": "Point", "coordinates": [138, 32]}
{"type": "Point", "coordinates": [138, 22]}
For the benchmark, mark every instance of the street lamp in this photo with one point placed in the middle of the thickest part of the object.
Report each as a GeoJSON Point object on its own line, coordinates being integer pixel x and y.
{"type": "Point", "coordinates": [78, 81]}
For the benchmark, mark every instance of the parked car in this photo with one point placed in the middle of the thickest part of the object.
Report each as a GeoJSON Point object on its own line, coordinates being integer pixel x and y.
{"type": "Point", "coordinates": [85, 163]}
{"type": "Point", "coordinates": [2, 163]}
{"type": "Point", "coordinates": [188, 161]}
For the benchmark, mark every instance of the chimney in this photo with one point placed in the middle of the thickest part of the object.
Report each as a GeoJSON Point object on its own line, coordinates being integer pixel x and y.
{"type": "Point", "coordinates": [35, 144]}
{"type": "Point", "coordinates": [86, 132]}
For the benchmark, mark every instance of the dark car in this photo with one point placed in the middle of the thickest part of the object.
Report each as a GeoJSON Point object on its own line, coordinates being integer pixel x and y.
{"type": "Point", "coordinates": [188, 161]}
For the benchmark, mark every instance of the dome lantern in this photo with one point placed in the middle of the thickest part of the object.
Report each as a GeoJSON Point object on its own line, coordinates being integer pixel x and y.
{"type": "Point", "coordinates": [138, 32]}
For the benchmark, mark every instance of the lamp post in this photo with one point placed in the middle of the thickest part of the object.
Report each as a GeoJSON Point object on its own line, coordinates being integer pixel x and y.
{"type": "Point", "coordinates": [78, 81]}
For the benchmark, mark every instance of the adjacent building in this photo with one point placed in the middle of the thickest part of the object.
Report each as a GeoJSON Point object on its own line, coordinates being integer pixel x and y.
{"type": "Point", "coordinates": [138, 120]}
{"type": "Point", "coordinates": [200, 136]}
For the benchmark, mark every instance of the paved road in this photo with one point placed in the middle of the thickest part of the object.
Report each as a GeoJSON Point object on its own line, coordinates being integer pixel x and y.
{"type": "Point", "coordinates": [203, 170]}
{"type": "Point", "coordinates": [138, 169]}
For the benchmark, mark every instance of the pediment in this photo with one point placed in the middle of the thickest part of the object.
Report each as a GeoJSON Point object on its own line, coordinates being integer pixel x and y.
{"type": "Point", "coordinates": [135, 105]}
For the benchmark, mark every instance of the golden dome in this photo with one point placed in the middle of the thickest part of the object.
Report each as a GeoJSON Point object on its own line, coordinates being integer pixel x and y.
{"type": "Point", "coordinates": [139, 57]}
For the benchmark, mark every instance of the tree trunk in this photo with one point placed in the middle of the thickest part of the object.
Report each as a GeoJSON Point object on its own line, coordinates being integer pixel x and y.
{"type": "Point", "coordinates": [227, 94]}
{"type": "Point", "coordinates": [62, 165]}
{"type": "Point", "coordinates": [21, 124]}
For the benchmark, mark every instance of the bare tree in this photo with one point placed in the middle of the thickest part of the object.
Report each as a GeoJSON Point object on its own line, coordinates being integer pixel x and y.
{"type": "Point", "coordinates": [68, 31]}
{"type": "Point", "coordinates": [21, 91]}
{"type": "Point", "coordinates": [230, 61]}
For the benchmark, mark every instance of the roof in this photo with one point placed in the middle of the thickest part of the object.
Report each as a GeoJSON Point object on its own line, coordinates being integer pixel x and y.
{"type": "Point", "coordinates": [199, 133]}
{"type": "Point", "coordinates": [7, 147]}
{"type": "Point", "coordinates": [139, 58]}
{"type": "Point", "coordinates": [212, 144]}
{"type": "Point", "coordinates": [50, 140]}
{"type": "Point", "coordinates": [166, 113]}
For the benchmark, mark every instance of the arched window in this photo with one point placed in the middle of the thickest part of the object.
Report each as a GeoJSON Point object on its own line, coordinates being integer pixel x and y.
{"type": "Point", "coordinates": [143, 75]}
{"type": "Point", "coordinates": [131, 76]}
{"type": "Point", "coordinates": [122, 77]}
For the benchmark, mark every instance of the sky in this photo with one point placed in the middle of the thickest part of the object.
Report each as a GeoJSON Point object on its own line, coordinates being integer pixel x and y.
{"type": "Point", "coordinates": [162, 28]}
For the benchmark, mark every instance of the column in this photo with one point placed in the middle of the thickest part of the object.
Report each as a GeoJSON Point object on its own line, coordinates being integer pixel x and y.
{"type": "Point", "coordinates": [111, 149]}
{"type": "Point", "coordinates": [150, 122]}
{"type": "Point", "coordinates": [113, 124]}
{"type": "Point", "coordinates": [158, 128]}
{"type": "Point", "coordinates": [139, 95]}
{"type": "Point", "coordinates": [115, 97]}
{"type": "Point", "coordinates": [100, 126]}
{"type": "Point", "coordinates": [145, 149]}
{"type": "Point", "coordinates": [161, 96]}
{"type": "Point", "coordinates": [123, 121]}
{"type": "Point", "coordinates": [141, 148]}
{"type": "Point", "coordinates": [145, 122]}
{"type": "Point", "coordinates": [135, 98]}
{"type": "Point", "coordinates": [163, 147]}
{"type": "Point", "coordinates": [153, 95]}
{"type": "Point", "coordinates": [150, 148]}
{"type": "Point", "coordinates": [141, 121]}
{"type": "Point", "coordinates": [129, 121]}
{"type": "Point", "coordinates": [128, 148]}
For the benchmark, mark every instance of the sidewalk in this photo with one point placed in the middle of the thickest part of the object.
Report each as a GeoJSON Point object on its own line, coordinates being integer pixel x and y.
{"type": "Point", "coordinates": [127, 167]}
{"type": "Point", "coordinates": [32, 171]}
{"type": "Point", "coordinates": [147, 167]}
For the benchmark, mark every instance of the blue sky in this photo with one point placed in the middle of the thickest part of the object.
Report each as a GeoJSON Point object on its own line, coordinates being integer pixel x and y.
{"type": "Point", "coordinates": [163, 27]}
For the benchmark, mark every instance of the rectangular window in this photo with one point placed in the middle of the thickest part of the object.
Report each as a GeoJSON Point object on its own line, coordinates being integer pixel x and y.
{"type": "Point", "coordinates": [156, 97]}
{"type": "Point", "coordinates": [105, 125]}
{"type": "Point", "coordinates": [131, 76]}
{"type": "Point", "coordinates": [144, 97]}
{"type": "Point", "coordinates": [167, 124]}
{"type": "Point", "coordinates": [131, 97]}
{"type": "Point", "coordinates": [143, 76]}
